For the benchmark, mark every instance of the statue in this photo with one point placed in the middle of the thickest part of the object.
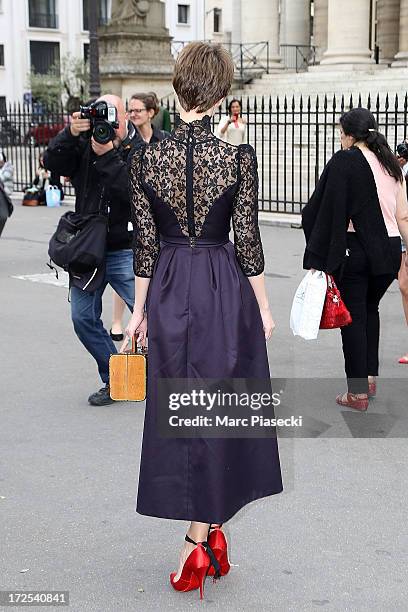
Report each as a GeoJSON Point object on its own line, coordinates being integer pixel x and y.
{"type": "Point", "coordinates": [135, 48]}
{"type": "Point", "coordinates": [124, 10]}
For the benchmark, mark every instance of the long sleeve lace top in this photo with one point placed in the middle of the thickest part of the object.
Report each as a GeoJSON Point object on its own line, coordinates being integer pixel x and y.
{"type": "Point", "coordinates": [193, 184]}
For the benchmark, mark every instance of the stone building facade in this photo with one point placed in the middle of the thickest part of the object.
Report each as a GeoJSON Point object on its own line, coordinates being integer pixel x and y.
{"type": "Point", "coordinates": [350, 46]}
{"type": "Point", "coordinates": [344, 32]}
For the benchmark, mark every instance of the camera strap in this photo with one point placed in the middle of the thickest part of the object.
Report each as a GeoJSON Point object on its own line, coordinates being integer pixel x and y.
{"type": "Point", "coordinates": [100, 211]}
{"type": "Point", "coordinates": [126, 143]}
{"type": "Point", "coordinates": [84, 186]}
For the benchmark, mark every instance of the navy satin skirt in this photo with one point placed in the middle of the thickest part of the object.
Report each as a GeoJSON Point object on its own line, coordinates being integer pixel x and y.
{"type": "Point", "coordinates": [203, 322]}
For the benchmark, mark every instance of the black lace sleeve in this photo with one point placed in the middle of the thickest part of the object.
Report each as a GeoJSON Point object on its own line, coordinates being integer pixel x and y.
{"type": "Point", "coordinates": [247, 239]}
{"type": "Point", "coordinates": [146, 244]}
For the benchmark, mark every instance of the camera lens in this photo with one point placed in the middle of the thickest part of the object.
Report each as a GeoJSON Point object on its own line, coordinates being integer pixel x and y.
{"type": "Point", "coordinates": [103, 132]}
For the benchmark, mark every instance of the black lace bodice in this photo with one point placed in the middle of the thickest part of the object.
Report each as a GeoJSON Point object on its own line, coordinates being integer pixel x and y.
{"type": "Point", "coordinates": [193, 184]}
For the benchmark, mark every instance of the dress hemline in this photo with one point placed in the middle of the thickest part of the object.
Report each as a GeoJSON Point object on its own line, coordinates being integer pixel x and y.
{"type": "Point", "coordinates": [218, 519]}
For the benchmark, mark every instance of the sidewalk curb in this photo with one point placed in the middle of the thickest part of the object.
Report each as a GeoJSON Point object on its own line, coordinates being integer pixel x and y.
{"type": "Point", "coordinates": [279, 219]}
{"type": "Point", "coordinates": [17, 200]}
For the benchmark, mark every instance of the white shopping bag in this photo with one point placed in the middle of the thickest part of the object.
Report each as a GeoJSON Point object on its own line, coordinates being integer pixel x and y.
{"type": "Point", "coordinates": [53, 196]}
{"type": "Point", "coordinates": [308, 305]}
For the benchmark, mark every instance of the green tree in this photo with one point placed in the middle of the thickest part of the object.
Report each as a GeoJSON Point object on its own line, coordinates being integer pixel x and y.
{"type": "Point", "coordinates": [46, 89]}
{"type": "Point", "coordinates": [65, 83]}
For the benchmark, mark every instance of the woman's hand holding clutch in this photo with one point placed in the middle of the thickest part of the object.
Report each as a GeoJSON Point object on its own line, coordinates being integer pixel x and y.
{"type": "Point", "coordinates": [268, 322]}
{"type": "Point", "coordinates": [137, 325]}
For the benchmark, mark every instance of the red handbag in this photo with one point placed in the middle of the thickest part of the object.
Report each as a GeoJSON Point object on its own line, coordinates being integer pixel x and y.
{"type": "Point", "coordinates": [335, 313]}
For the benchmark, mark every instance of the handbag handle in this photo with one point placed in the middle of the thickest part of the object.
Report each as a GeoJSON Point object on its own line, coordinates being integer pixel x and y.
{"type": "Point", "coordinates": [330, 281]}
{"type": "Point", "coordinates": [141, 350]}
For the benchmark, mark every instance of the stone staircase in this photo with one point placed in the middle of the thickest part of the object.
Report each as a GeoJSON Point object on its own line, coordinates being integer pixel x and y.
{"type": "Point", "coordinates": [319, 81]}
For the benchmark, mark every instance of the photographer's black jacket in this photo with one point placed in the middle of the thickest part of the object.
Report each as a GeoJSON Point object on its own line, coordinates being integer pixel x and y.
{"type": "Point", "coordinates": [101, 182]}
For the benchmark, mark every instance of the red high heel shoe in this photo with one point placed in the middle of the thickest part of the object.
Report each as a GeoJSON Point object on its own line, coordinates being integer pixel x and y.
{"type": "Point", "coordinates": [195, 568]}
{"type": "Point", "coordinates": [218, 544]}
{"type": "Point", "coordinates": [349, 400]}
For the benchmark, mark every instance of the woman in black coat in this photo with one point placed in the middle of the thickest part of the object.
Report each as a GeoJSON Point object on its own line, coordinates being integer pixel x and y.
{"type": "Point", "coordinates": [352, 225]}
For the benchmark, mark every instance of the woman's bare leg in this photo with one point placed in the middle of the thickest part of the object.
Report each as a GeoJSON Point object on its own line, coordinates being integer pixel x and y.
{"type": "Point", "coordinates": [197, 532]}
{"type": "Point", "coordinates": [405, 305]}
{"type": "Point", "coordinates": [403, 285]}
{"type": "Point", "coordinates": [118, 310]}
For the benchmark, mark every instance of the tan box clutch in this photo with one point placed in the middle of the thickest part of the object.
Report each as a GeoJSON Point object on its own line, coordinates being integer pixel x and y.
{"type": "Point", "coordinates": [128, 374]}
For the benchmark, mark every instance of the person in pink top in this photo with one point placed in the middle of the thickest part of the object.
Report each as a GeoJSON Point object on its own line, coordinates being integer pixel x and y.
{"type": "Point", "coordinates": [353, 225]}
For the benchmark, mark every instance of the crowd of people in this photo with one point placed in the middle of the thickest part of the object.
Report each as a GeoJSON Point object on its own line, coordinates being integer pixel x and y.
{"type": "Point", "coordinates": [169, 197]}
{"type": "Point", "coordinates": [361, 292]}
{"type": "Point", "coordinates": [146, 122]}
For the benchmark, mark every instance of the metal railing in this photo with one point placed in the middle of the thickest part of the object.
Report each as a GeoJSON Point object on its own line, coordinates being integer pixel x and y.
{"type": "Point", "coordinates": [298, 57]}
{"type": "Point", "coordinates": [24, 134]}
{"type": "Point", "coordinates": [293, 138]}
{"type": "Point", "coordinates": [251, 60]}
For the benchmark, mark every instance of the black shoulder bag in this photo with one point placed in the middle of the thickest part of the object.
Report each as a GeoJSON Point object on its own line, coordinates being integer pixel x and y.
{"type": "Point", "coordinates": [79, 246]}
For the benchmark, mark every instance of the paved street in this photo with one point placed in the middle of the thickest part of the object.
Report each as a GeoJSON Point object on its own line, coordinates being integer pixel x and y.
{"type": "Point", "coordinates": [335, 540]}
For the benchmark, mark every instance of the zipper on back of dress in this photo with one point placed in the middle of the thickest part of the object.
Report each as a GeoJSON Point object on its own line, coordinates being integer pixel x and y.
{"type": "Point", "coordinates": [189, 185]}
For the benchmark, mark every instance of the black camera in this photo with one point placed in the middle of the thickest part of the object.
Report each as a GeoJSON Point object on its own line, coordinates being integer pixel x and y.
{"type": "Point", "coordinates": [402, 150]}
{"type": "Point", "coordinates": [103, 118]}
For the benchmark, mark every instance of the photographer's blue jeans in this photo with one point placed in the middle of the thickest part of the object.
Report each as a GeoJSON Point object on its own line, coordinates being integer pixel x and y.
{"type": "Point", "coordinates": [86, 308]}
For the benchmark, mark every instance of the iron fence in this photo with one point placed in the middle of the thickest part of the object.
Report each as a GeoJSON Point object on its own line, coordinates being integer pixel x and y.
{"type": "Point", "coordinates": [24, 135]}
{"type": "Point", "coordinates": [294, 137]}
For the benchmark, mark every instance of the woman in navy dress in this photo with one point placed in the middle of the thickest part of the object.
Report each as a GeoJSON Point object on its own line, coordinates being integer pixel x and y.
{"type": "Point", "coordinates": [201, 300]}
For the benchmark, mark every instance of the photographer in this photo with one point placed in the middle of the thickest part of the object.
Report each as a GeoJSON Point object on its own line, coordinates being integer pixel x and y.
{"type": "Point", "coordinates": [98, 171]}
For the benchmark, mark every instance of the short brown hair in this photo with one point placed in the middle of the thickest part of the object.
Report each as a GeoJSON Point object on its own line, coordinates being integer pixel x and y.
{"type": "Point", "coordinates": [202, 75]}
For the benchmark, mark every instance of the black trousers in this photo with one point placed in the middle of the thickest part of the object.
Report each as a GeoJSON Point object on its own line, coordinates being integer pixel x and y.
{"type": "Point", "coordinates": [362, 291]}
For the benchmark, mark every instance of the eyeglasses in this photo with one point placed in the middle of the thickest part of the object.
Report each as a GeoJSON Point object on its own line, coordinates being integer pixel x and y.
{"type": "Point", "coordinates": [136, 111]}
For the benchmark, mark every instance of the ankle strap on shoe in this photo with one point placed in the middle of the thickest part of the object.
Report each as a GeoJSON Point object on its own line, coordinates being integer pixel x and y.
{"type": "Point", "coordinates": [216, 526]}
{"type": "Point", "coordinates": [210, 552]}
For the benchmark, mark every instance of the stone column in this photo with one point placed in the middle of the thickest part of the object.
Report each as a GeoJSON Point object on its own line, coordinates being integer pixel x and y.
{"type": "Point", "coordinates": [388, 14]}
{"type": "Point", "coordinates": [320, 25]}
{"type": "Point", "coordinates": [348, 33]}
{"type": "Point", "coordinates": [295, 22]}
{"type": "Point", "coordinates": [260, 22]}
{"type": "Point", "coordinates": [401, 59]}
